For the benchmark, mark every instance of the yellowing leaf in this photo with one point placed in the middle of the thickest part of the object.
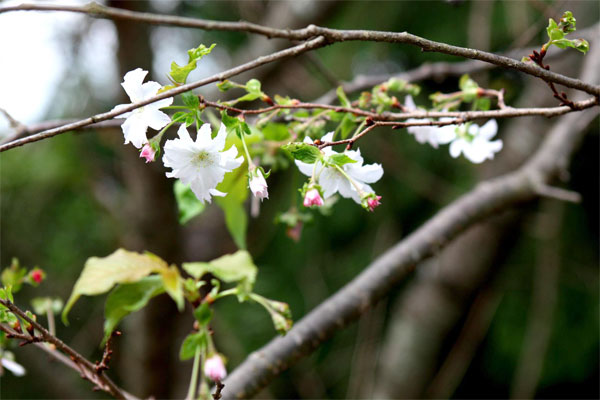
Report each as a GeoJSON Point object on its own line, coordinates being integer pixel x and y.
{"type": "Point", "coordinates": [237, 267]}
{"type": "Point", "coordinates": [100, 274]}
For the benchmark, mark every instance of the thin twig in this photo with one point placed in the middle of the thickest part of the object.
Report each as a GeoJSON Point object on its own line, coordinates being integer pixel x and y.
{"type": "Point", "coordinates": [85, 367]}
{"type": "Point", "coordinates": [292, 51]}
{"type": "Point", "coordinates": [313, 31]}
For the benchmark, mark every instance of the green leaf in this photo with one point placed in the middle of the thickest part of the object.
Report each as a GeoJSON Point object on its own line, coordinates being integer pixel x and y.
{"type": "Point", "coordinates": [13, 275]}
{"type": "Point", "coordinates": [567, 22]}
{"type": "Point", "coordinates": [203, 314]}
{"type": "Point", "coordinates": [235, 125]}
{"type": "Point", "coordinates": [253, 86]}
{"type": "Point", "coordinates": [225, 85]}
{"type": "Point", "coordinates": [553, 30]}
{"type": "Point", "coordinates": [127, 298]}
{"type": "Point", "coordinates": [236, 219]}
{"type": "Point", "coordinates": [347, 125]}
{"type": "Point", "coordinates": [284, 101]}
{"type": "Point", "coordinates": [340, 159]}
{"type": "Point", "coordinates": [100, 274]}
{"type": "Point", "coordinates": [276, 132]}
{"type": "Point", "coordinates": [178, 116]}
{"type": "Point", "coordinates": [303, 152]}
{"type": "Point", "coordinates": [193, 342]}
{"type": "Point", "coordinates": [342, 97]}
{"type": "Point", "coordinates": [178, 73]}
{"type": "Point", "coordinates": [190, 100]}
{"type": "Point", "coordinates": [482, 103]}
{"type": "Point", "coordinates": [469, 88]}
{"type": "Point", "coordinates": [237, 267]}
{"type": "Point", "coordinates": [188, 205]}
{"type": "Point", "coordinates": [579, 44]}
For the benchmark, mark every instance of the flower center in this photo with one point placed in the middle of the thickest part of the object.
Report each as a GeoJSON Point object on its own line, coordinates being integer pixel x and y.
{"type": "Point", "coordinates": [203, 159]}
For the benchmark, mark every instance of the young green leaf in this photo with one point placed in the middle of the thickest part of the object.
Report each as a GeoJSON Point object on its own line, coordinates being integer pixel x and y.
{"type": "Point", "coordinates": [236, 219]}
{"type": "Point", "coordinates": [340, 159]}
{"type": "Point", "coordinates": [178, 73]}
{"type": "Point", "coordinates": [188, 204]}
{"type": "Point", "coordinates": [127, 298]}
{"type": "Point", "coordinates": [342, 97]}
{"type": "Point", "coordinates": [225, 85]}
{"type": "Point", "coordinates": [303, 152]}
{"type": "Point", "coordinates": [193, 342]}
{"type": "Point", "coordinates": [203, 314]}
{"type": "Point", "coordinates": [190, 100]}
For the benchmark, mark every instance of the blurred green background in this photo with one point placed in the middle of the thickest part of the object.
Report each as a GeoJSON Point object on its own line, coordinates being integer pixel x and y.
{"type": "Point", "coordinates": [534, 276]}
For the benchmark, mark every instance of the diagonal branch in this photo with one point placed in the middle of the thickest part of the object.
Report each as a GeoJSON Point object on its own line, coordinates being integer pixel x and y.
{"type": "Point", "coordinates": [78, 362]}
{"type": "Point", "coordinates": [379, 278]}
{"type": "Point", "coordinates": [312, 31]}
{"type": "Point", "coordinates": [292, 51]}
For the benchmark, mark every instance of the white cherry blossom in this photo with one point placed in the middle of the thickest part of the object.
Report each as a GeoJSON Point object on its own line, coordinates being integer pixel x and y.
{"type": "Point", "coordinates": [202, 164]}
{"type": "Point", "coordinates": [434, 135]}
{"type": "Point", "coordinates": [334, 181]}
{"type": "Point", "coordinates": [138, 120]}
{"type": "Point", "coordinates": [476, 144]}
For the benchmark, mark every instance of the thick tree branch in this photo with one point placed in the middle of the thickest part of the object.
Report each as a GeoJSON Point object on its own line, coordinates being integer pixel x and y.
{"type": "Point", "coordinates": [79, 363]}
{"type": "Point", "coordinates": [313, 31]}
{"type": "Point", "coordinates": [379, 278]}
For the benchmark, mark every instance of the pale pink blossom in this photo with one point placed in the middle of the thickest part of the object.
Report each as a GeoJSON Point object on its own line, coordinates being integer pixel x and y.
{"type": "Point", "coordinates": [373, 202]}
{"type": "Point", "coordinates": [214, 368]}
{"type": "Point", "coordinates": [258, 185]}
{"type": "Point", "coordinates": [148, 153]}
{"type": "Point", "coordinates": [313, 198]}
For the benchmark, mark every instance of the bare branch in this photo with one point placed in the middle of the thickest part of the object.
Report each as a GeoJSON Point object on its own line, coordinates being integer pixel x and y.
{"type": "Point", "coordinates": [313, 31]}
{"type": "Point", "coordinates": [379, 278]}
{"type": "Point", "coordinates": [79, 363]}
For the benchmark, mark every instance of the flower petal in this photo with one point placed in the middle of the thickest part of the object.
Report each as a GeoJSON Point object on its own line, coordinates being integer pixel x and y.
{"type": "Point", "coordinates": [132, 83]}
{"type": "Point", "coordinates": [367, 173]}
{"type": "Point", "coordinates": [149, 89]}
{"type": "Point", "coordinates": [134, 129]}
{"type": "Point", "coordinates": [456, 147]}
{"type": "Point", "coordinates": [219, 141]}
{"type": "Point", "coordinates": [204, 138]}
{"type": "Point", "coordinates": [305, 168]}
{"type": "Point", "coordinates": [119, 108]}
{"type": "Point", "coordinates": [409, 103]}
{"type": "Point", "coordinates": [183, 134]}
{"type": "Point", "coordinates": [488, 130]}
{"type": "Point", "coordinates": [155, 119]}
{"type": "Point", "coordinates": [328, 137]}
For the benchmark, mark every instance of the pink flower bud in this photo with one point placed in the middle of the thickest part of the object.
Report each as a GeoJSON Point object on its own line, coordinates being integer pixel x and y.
{"type": "Point", "coordinates": [373, 202]}
{"type": "Point", "coordinates": [258, 186]}
{"type": "Point", "coordinates": [148, 153]}
{"type": "Point", "coordinates": [313, 198]}
{"type": "Point", "coordinates": [214, 368]}
{"type": "Point", "coordinates": [37, 275]}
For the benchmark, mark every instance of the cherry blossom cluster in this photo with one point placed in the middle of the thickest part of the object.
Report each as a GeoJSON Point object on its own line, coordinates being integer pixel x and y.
{"type": "Point", "coordinates": [202, 163]}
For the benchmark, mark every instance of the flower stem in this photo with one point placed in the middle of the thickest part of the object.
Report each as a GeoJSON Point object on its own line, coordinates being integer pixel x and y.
{"type": "Point", "coordinates": [352, 181]}
{"type": "Point", "coordinates": [250, 163]}
{"type": "Point", "coordinates": [194, 379]}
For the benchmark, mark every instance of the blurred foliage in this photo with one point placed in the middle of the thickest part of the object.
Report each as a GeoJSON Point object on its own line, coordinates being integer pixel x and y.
{"type": "Point", "coordinates": [53, 214]}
